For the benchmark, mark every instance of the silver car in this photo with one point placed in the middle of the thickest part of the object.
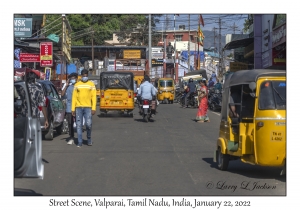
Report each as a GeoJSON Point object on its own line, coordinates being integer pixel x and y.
{"type": "Point", "coordinates": [27, 137]}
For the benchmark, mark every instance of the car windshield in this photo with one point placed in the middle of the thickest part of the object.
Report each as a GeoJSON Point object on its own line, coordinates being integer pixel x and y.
{"type": "Point", "coordinates": [166, 83]}
{"type": "Point", "coordinates": [272, 95]}
{"type": "Point", "coordinates": [111, 63]}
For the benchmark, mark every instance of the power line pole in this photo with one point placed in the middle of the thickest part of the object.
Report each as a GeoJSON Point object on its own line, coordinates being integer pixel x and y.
{"type": "Point", "coordinates": [189, 46]}
{"type": "Point", "coordinates": [220, 42]}
{"type": "Point", "coordinates": [214, 38]}
{"type": "Point", "coordinates": [149, 45]}
{"type": "Point", "coordinates": [233, 27]}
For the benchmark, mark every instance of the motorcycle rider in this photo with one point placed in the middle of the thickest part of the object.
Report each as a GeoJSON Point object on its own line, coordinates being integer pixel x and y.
{"type": "Point", "coordinates": [147, 90]}
{"type": "Point", "coordinates": [191, 89]}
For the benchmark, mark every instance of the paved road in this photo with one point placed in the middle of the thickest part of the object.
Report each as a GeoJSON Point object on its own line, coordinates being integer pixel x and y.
{"type": "Point", "coordinates": [171, 156]}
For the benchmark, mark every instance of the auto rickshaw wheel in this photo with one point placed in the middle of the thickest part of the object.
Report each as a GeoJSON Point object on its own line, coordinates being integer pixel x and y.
{"type": "Point", "coordinates": [222, 160]}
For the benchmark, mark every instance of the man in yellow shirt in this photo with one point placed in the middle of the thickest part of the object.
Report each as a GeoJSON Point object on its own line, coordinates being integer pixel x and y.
{"type": "Point", "coordinates": [84, 103]}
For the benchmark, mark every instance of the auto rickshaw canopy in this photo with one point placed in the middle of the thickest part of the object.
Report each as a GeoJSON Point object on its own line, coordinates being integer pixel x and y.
{"type": "Point", "coordinates": [244, 77]}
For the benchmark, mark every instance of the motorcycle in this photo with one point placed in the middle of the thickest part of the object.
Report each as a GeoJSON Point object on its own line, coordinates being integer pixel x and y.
{"type": "Point", "coordinates": [148, 108]}
{"type": "Point", "coordinates": [192, 100]}
{"type": "Point", "coordinates": [215, 100]}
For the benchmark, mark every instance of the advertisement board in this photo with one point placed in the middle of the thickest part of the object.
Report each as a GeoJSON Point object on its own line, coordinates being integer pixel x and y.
{"type": "Point", "coordinates": [47, 73]}
{"type": "Point", "coordinates": [22, 27]}
{"type": "Point", "coordinates": [28, 57]}
{"type": "Point", "coordinates": [235, 66]}
{"type": "Point", "coordinates": [46, 54]}
{"type": "Point", "coordinates": [132, 54]}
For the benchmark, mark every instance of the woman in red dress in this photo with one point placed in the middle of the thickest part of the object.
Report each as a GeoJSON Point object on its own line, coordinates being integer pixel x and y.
{"type": "Point", "coordinates": [203, 103]}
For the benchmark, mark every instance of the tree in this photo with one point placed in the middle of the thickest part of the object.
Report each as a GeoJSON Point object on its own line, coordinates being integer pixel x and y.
{"type": "Point", "coordinates": [103, 25]}
{"type": "Point", "coordinates": [134, 29]}
{"type": "Point", "coordinates": [248, 22]}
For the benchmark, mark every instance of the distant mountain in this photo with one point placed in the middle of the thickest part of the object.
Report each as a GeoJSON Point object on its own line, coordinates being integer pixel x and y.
{"type": "Point", "coordinates": [209, 39]}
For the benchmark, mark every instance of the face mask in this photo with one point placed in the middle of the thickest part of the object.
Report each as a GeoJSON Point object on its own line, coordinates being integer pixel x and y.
{"type": "Point", "coordinates": [84, 79]}
{"type": "Point", "coordinates": [73, 81]}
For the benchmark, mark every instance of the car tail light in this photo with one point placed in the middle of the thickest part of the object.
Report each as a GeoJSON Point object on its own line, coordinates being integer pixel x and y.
{"type": "Point", "coordinates": [145, 102]}
{"type": "Point", "coordinates": [102, 94]}
{"type": "Point", "coordinates": [129, 94]}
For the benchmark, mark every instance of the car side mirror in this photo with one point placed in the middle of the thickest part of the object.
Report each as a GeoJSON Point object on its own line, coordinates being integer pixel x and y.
{"type": "Point", "coordinates": [18, 106]}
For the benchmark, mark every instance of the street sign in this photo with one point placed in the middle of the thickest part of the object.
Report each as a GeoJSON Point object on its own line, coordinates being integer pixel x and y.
{"type": "Point", "coordinates": [46, 53]}
{"type": "Point", "coordinates": [132, 54]}
{"type": "Point", "coordinates": [22, 27]}
{"type": "Point", "coordinates": [28, 57]}
{"type": "Point", "coordinates": [235, 66]}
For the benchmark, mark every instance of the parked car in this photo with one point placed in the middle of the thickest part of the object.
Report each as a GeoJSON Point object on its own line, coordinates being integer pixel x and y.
{"type": "Point", "coordinates": [55, 109]}
{"type": "Point", "coordinates": [27, 138]}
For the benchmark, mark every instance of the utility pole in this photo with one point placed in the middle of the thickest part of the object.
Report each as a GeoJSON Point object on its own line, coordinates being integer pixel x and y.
{"type": "Point", "coordinates": [189, 47]}
{"type": "Point", "coordinates": [149, 45]}
{"type": "Point", "coordinates": [214, 38]}
{"type": "Point", "coordinates": [174, 50]}
{"type": "Point", "coordinates": [233, 27]}
{"type": "Point", "coordinates": [62, 49]}
{"type": "Point", "coordinates": [93, 69]}
{"type": "Point", "coordinates": [220, 72]}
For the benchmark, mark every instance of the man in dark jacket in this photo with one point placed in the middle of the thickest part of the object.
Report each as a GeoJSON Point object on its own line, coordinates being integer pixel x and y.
{"type": "Point", "coordinates": [191, 89]}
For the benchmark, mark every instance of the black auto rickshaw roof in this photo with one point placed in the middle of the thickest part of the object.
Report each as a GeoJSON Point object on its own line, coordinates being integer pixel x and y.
{"type": "Point", "coordinates": [248, 76]}
{"type": "Point", "coordinates": [244, 77]}
{"type": "Point", "coordinates": [123, 80]}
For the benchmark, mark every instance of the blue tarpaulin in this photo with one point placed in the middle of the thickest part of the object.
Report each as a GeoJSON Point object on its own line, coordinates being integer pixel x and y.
{"type": "Point", "coordinates": [184, 54]}
{"type": "Point", "coordinates": [71, 68]}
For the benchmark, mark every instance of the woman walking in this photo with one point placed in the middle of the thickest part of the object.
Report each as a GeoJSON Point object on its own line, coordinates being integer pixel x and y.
{"type": "Point", "coordinates": [203, 102]}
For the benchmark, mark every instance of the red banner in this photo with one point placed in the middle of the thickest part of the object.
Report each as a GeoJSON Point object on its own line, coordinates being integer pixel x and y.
{"type": "Point", "coordinates": [28, 57]}
{"type": "Point", "coordinates": [46, 54]}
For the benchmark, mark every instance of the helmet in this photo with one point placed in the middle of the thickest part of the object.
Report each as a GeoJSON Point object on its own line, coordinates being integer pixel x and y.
{"type": "Point", "coordinates": [191, 80]}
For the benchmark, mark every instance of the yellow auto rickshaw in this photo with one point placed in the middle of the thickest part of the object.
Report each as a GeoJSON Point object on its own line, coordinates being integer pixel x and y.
{"type": "Point", "coordinates": [116, 92]}
{"type": "Point", "coordinates": [253, 119]}
{"type": "Point", "coordinates": [166, 90]}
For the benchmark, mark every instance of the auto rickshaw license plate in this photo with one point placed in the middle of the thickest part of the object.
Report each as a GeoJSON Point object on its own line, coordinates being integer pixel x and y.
{"type": "Point", "coordinates": [277, 135]}
{"type": "Point", "coordinates": [115, 102]}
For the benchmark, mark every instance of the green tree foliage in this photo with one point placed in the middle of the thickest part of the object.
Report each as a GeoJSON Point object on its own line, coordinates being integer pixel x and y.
{"type": "Point", "coordinates": [248, 22]}
{"type": "Point", "coordinates": [103, 25]}
{"type": "Point", "coordinates": [135, 29]}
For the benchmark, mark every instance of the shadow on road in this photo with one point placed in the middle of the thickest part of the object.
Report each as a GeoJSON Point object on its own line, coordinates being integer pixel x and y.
{"type": "Point", "coordinates": [115, 115]}
{"type": "Point", "coordinates": [251, 171]}
{"type": "Point", "coordinates": [45, 161]}
{"type": "Point", "coordinates": [142, 120]}
{"type": "Point", "coordinates": [25, 192]}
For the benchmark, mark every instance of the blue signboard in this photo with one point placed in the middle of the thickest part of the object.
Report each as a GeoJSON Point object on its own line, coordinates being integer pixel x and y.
{"type": "Point", "coordinates": [23, 27]}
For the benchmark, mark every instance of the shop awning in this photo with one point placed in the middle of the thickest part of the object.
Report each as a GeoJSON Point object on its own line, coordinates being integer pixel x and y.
{"type": "Point", "coordinates": [238, 43]}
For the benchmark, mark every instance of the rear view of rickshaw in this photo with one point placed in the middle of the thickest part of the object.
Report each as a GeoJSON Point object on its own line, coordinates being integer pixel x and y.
{"type": "Point", "coordinates": [166, 90]}
{"type": "Point", "coordinates": [117, 92]}
{"type": "Point", "coordinates": [253, 119]}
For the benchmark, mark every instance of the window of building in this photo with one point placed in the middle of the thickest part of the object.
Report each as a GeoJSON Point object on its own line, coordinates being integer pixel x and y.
{"type": "Point", "coordinates": [192, 37]}
{"type": "Point", "coordinates": [178, 37]}
{"type": "Point", "coordinates": [279, 20]}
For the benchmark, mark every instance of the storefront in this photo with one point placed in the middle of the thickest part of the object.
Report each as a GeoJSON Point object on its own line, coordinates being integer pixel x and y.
{"type": "Point", "coordinates": [279, 42]}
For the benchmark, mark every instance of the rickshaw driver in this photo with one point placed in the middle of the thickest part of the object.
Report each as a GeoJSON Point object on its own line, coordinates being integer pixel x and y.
{"type": "Point", "coordinates": [234, 98]}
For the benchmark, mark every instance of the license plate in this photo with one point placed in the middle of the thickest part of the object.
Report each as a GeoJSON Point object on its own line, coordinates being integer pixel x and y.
{"type": "Point", "coordinates": [277, 136]}
{"type": "Point", "coordinates": [145, 106]}
{"type": "Point", "coordinates": [115, 102]}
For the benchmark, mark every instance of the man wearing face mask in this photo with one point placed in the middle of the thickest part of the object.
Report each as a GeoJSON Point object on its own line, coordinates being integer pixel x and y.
{"type": "Point", "coordinates": [67, 94]}
{"type": "Point", "coordinates": [84, 106]}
